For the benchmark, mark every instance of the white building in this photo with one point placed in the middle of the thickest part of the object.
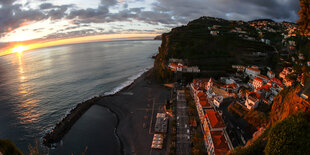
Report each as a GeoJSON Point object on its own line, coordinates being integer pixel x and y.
{"type": "Point", "coordinates": [270, 74]}
{"type": "Point", "coordinates": [301, 56]}
{"type": "Point", "coordinates": [257, 82]}
{"type": "Point", "coordinates": [209, 85]}
{"type": "Point", "coordinates": [180, 67]}
{"type": "Point", "coordinates": [193, 69]}
{"type": "Point", "coordinates": [263, 77]}
{"type": "Point", "coordinates": [252, 100]}
{"type": "Point", "coordinates": [252, 71]}
{"type": "Point", "coordinates": [292, 43]}
{"type": "Point", "coordinates": [214, 33]}
{"type": "Point", "coordinates": [238, 67]}
{"type": "Point", "coordinates": [173, 66]}
{"type": "Point", "coordinates": [218, 100]}
{"type": "Point", "coordinates": [266, 41]}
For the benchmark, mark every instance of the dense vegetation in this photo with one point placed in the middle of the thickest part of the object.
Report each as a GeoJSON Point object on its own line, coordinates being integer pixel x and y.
{"type": "Point", "coordinates": [194, 44]}
{"type": "Point", "coordinates": [255, 148]}
{"type": "Point", "coordinates": [290, 136]}
{"type": "Point", "coordinates": [8, 147]}
{"type": "Point", "coordinates": [304, 14]}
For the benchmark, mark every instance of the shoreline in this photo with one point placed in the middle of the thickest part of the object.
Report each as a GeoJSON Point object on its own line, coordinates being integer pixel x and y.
{"type": "Point", "coordinates": [133, 106]}
{"type": "Point", "coordinates": [118, 112]}
{"type": "Point", "coordinates": [61, 128]}
{"type": "Point", "coordinates": [116, 127]}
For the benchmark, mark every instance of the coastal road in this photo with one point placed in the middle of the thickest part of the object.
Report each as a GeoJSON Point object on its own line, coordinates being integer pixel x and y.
{"type": "Point", "coordinates": [183, 146]}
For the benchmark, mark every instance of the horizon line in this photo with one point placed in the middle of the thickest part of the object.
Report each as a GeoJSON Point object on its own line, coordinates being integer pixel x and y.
{"type": "Point", "coordinates": [79, 40]}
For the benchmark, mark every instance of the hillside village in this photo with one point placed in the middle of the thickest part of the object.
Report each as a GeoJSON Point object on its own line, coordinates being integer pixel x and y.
{"type": "Point", "coordinates": [234, 108]}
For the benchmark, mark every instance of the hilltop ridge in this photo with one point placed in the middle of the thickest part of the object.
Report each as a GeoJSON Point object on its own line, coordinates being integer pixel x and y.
{"type": "Point", "coordinates": [214, 44]}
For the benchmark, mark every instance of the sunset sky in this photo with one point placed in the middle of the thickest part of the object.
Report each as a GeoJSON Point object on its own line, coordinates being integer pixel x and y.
{"type": "Point", "coordinates": [34, 21]}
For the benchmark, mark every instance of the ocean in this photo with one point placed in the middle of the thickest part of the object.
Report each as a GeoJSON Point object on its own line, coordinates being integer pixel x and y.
{"type": "Point", "coordinates": [39, 87]}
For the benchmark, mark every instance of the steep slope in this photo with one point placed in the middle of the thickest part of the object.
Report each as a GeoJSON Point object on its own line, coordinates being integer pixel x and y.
{"type": "Point", "coordinates": [286, 103]}
{"type": "Point", "coordinates": [198, 47]}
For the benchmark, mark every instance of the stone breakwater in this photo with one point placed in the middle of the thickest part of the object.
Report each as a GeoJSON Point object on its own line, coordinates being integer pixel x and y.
{"type": "Point", "coordinates": [62, 127]}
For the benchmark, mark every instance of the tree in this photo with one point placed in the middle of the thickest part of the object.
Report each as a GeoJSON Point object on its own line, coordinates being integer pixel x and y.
{"type": "Point", "coordinates": [8, 147]}
{"type": "Point", "coordinates": [304, 14]}
{"type": "Point", "coordinates": [290, 136]}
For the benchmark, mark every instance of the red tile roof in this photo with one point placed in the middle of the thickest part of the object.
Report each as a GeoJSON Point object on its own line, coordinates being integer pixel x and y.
{"type": "Point", "coordinates": [263, 76]}
{"type": "Point", "coordinates": [215, 119]}
{"type": "Point", "coordinates": [219, 142]}
{"type": "Point", "coordinates": [266, 87]}
{"type": "Point", "coordinates": [277, 81]}
{"type": "Point", "coordinates": [203, 100]}
{"type": "Point", "coordinates": [205, 80]}
{"type": "Point", "coordinates": [258, 79]}
{"type": "Point", "coordinates": [173, 65]}
{"type": "Point", "coordinates": [253, 69]}
{"type": "Point", "coordinates": [231, 85]}
{"type": "Point", "coordinates": [205, 104]}
{"type": "Point", "coordinates": [201, 94]}
{"type": "Point", "coordinates": [265, 100]}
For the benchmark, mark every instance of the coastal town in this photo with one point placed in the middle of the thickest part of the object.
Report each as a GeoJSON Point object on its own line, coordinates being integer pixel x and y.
{"type": "Point", "coordinates": [197, 110]}
{"type": "Point", "coordinates": [156, 77]}
{"type": "Point", "coordinates": [219, 108]}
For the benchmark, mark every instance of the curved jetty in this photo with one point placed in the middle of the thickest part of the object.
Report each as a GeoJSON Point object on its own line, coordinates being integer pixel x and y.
{"type": "Point", "coordinates": [66, 123]}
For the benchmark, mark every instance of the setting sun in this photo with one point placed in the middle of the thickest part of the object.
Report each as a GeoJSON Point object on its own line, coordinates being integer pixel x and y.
{"type": "Point", "coordinates": [19, 49]}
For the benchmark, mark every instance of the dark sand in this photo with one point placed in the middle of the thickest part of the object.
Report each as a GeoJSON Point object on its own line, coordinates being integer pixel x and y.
{"type": "Point", "coordinates": [133, 107]}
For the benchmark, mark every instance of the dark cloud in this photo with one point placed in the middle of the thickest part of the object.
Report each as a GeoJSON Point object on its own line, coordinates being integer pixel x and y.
{"type": "Point", "coordinates": [152, 17]}
{"type": "Point", "coordinates": [90, 15]}
{"type": "Point", "coordinates": [55, 11]}
{"type": "Point", "coordinates": [7, 2]}
{"type": "Point", "coordinates": [46, 6]}
{"type": "Point", "coordinates": [108, 3]}
{"type": "Point", "coordinates": [77, 33]}
{"type": "Point", "coordinates": [38, 30]}
{"type": "Point", "coordinates": [12, 17]}
{"type": "Point", "coordinates": [184, 10]}
{"type": "Point", "coordinates": [170, 13]}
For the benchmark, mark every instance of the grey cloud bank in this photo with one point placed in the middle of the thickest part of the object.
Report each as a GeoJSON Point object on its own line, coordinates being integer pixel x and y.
{"type": "Point", "coordinates": [166, 12]}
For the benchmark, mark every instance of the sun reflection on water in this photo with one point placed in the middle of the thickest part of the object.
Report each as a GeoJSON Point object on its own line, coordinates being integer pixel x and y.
{"type": "Point", "coordinates": [26, 110]}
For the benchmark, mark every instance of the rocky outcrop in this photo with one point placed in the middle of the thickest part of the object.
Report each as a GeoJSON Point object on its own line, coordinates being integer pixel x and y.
{"type": "Point", "coordinates": [67, 122]}
{"type": "Point", "coordinates": [157, 37]}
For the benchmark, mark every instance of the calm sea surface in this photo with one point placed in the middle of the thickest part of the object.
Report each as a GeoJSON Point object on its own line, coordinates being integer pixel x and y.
{"type": "Point", "coordinates": [39, 87]}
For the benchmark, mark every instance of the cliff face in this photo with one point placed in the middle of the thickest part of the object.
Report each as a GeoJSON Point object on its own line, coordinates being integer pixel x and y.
{"type": "Point", "coordinates": [161, 71]}
{"type": "Point", "coordinates": [286, 103]}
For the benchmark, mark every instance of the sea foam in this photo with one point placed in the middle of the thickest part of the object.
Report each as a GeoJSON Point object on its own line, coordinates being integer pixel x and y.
{"type": "Point", "coordinates": [127, 83]}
